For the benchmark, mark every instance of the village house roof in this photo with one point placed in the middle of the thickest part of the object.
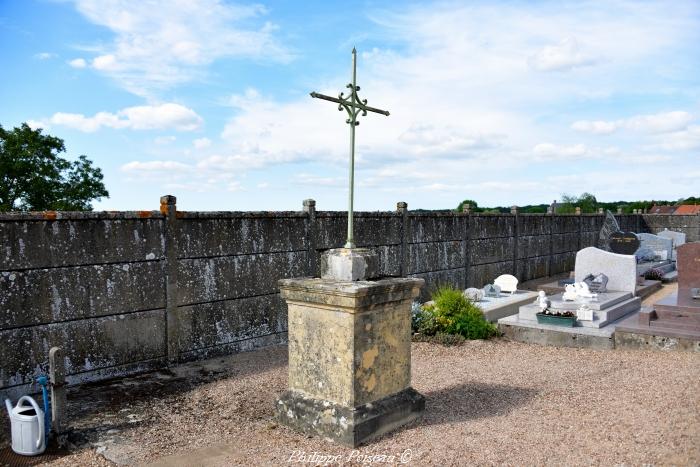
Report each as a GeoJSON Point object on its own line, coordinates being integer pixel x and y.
{"type": "Point", "coordinates": [688, 209]}
{"type": "Point", "coordinates": [662, 209]}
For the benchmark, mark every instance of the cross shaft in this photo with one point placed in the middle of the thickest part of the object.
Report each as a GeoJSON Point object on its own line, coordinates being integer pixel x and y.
{"type": "Point", "coordinates": [353, 106]}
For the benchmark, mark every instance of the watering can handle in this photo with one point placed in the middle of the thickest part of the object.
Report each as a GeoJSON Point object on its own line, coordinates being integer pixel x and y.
{"type": "Point", "coordinates": [33, 403]}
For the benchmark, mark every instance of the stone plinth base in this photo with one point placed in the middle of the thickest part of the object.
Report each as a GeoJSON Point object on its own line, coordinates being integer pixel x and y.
{"type": "Point", "coordinates": [532, 332]}
{"type": "Point", "coordinates": [350, 264]}
{"type": "Point", "coordinates": [349, 357]}
{"type": "Point", "coordinates": [349, 426]}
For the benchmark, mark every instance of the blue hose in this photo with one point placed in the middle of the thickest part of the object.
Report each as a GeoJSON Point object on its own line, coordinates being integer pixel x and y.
{"type": "Point", "coordinates": [44, 382]}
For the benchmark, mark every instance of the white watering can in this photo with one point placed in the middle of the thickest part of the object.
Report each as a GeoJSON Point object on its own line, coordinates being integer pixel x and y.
{"type": "Point", "coordinates": [27, 423]}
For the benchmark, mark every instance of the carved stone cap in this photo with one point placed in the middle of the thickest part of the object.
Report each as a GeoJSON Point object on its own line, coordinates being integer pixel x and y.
{"type": "Point", "coordinates": [353, 296]}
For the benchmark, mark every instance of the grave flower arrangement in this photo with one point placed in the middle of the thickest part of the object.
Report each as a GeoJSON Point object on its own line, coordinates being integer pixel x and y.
{"type": "Point", "coordinates": [558, 318]}
{"type": "Point", "coordinates": [654, 274]}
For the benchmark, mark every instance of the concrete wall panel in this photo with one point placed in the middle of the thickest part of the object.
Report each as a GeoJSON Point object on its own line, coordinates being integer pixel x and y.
{"type": "Point", "coordinates": [40, 296]}
{"type": "Point", "coordinates": [32, 244]}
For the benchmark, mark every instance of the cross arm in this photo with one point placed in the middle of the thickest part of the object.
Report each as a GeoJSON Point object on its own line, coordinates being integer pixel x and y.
{"type": "Point", "coordinates": [358, 105]}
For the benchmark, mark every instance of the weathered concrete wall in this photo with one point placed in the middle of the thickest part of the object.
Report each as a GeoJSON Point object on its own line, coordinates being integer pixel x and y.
{"type": "Point", "coordinates": [689, 224]}
{"type": "Point", "coordinates": [92, 283]}
{"type": "Point", "coordinates": [124, 292]}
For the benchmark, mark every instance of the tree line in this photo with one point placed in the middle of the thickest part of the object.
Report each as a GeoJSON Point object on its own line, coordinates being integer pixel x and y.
{"type": "Point", "coordinates": [586, 201]}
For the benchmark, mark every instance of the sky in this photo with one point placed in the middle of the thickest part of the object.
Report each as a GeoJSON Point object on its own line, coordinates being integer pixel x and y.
{"type": "Point", "coordinates": [506, 103]}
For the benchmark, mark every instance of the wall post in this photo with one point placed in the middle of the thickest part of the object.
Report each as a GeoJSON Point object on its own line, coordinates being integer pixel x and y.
{"type": "Point", "coordinates": [168, 207]}
{"type": "Point", "coordinates": [467, 209]}
{"type": "Point", "coordinates": [516, 233]}
{"type": "Point", "coordinates": [580, 228]}
{"type": "Point", "coordinates": [551, 211]}
{"type": "Point", "coordinates": [57, 378]}
{"type": "Point", "coordinates": [310, 209]}
{"type": "Point", "coordinates": [402, 208]}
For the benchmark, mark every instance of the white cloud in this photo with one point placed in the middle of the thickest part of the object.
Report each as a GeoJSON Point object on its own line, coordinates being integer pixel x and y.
{"type": "Point", "coordinates": [159, 44]}
{"type": "Point", "coordinates": [45, 55]}
{"type": "Point", "coordinates": [664, 122]}
{"type": "Point", "coordinates": [164, 140]}
{"type": "Point", "coordinates": [78, 63]}
{"type": "Point", "coordinates": [143, 117]}
{"type": "Point", "coordinates": [549, 151]}
{"type": "Point", "coordinates": [598, 127]}
{"type": "Point", "coordinates": [684, 140]}
{"type": "Point", "coordinates": [468, 114]}
{"type": "Point", "coordinates": [201, 143]}
{"type": "Point", "coordinates": [561, 57]}
{"type": "Point", "coordinates": [660, 123]}
{"type": "Point", "coordinates": [105, 63]}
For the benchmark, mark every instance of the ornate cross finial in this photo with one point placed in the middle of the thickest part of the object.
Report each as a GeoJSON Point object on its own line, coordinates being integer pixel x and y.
{"type": "Point", "coordinates": [353, 106]}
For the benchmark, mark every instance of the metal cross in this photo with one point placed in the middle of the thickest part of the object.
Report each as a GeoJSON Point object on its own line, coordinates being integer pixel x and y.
{"type": "Point", "coordinates": [353, 106]}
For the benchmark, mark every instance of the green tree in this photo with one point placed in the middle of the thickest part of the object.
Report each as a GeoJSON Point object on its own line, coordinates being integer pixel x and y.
{"type": "Point", "coordinates": [567, 204]}
{"type": "Point", "coordinates": [34, 178]}
{"type": "Point", "coordinates": [586, 201]}
{"type": "Point", "coordinates": [471, 202]}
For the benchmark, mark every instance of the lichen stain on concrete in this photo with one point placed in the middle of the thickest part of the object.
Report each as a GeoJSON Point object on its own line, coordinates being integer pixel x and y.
{"type": "Point", "coordinates": [368, 357]}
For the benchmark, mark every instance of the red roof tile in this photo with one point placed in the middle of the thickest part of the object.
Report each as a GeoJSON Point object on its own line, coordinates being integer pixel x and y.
{"type": "Point", "coordinates": [662, 209]}
{"type": "Point", "coordinates": [688, 209]}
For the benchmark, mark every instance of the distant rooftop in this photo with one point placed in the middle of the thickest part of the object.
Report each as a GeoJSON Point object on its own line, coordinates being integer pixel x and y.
{"type": "Point", "coordinates": [688, 209]}
{"type": "Point", "coordinates": [662, 209]}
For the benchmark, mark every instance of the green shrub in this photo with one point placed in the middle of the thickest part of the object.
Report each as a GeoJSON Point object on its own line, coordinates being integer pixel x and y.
{"type": "Point", "coordinates": [452, 313]}
{"type": "Point", "coordinates": [458, 315]}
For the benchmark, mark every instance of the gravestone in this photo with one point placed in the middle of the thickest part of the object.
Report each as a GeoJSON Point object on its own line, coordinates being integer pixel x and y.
{"type": "Point", "coordinates": [621, 270]}
{"type": "Point", "coordinates": [688, 266]}
{"type": "Point", "coordinates": [609, 227]}
{"type": "Point", "coordinates": [473, 294]}
{"type": "Point", "coordinates": [507, 283]}
{"type": "Point", "coordinates": [624, 243]}
{"type": "Point", "coordinates": [678, 239]}
{"type": "Point", "coordinates": [597, 315]}
{"type": "Point", "coordinates": [492, 290]}
{"type": "Point", "coordinates": [662, 247]}
{"type": "Point", "coordinates": [676, 317]}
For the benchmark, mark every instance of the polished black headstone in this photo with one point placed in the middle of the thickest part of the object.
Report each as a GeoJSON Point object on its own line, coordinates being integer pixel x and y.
{"type": "Point", "coordinates": [624, 243]}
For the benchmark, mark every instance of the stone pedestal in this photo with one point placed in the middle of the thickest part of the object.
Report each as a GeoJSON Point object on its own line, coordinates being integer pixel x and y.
{"type": "Point", "coordinates": [349, 357]}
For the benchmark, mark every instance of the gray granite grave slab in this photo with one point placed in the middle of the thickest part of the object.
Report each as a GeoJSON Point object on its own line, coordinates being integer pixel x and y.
{"type": "Point", "coordinates": [620, 269]}
{"type": "Point", "coordinates": [666, 265]}
{"type": "Point", "coordinates": [601, 317]}
{"type": "Point", "coordinates": [678, 239]}
{"type": "Point", "coordinates": [495, 308]}
{"type": "Point", "coordinates": [656, 243]}
{"type": "Point", "coordinates": [603, 301]}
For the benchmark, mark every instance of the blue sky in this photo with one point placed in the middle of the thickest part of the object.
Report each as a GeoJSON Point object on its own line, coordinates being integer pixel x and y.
{"type": "Point", "coordinates": [501, 102]}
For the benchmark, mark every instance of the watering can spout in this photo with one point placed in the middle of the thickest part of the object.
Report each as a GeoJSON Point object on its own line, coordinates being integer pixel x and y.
{"type": "Point", "coordinates": [8, 405]}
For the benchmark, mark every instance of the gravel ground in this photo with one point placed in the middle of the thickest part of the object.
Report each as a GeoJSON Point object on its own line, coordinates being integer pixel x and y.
{"type": "Point", "coordinates": [488, 402]}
